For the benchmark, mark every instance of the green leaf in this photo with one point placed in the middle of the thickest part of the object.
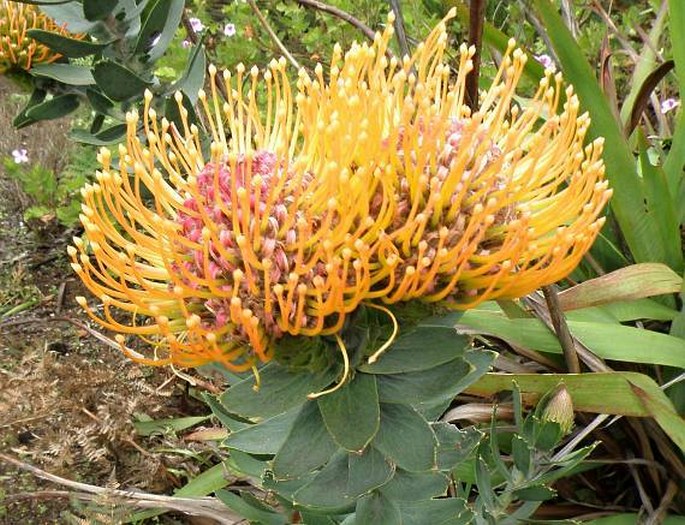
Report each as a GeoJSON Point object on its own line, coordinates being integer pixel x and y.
{"type": "Point", "coordinates": [449, 511]}
{"type": "Point", "coordinates": [645, 66]}
{"type": "Point", "coordinates": [97, 123]}
{"type": "Point", "coordinates": [307, 447]}
{"type": "Point", "coordinates": [344, 479]}
{"type": "Point", "coordinates": [266, 437]}
{"type": "Point", "coordinates": [98, 9]}
{"type": "Point", "coordinates": [660, 204]}
{"type": "Point", "coordinates": [117, 81]}
{"type": "Point", "coordinates": [678, 325]}
{"type": "Point", "coordinates": [161, 426]}
{"type": "Point", "coordinates": [455, 446]}
{"type": "Point", "coordinates": [521, 454]}
{"type": "Point", "coordinates": [54, 108]}
{"type": "Point", "coordinates": [415, 486]}
{"type": "Point", "coordinates": [637, 227]}
{"type": "Point", "coordinates": [246, 506]}
{"type": "Point", "coordinates": [674, 163]}
{"type": "Point", "coordinates": [69, 47]}
{"type": "Point", "coordinates": [206, 483]}
{"type": "Point", "coordinates": [549, 434]}
{"type": "Point", "coordinates": [104, 138]}
{"type": "Point", "coordinates": [285, 489]}
{"type": "Point", "coordinates": [173, 113]}
{"type": "Point", "coordinates": [70, 14]}
{"type": "Point", "coordinates": [279, 391]}
{"type": "Point", "coordinates": [22, 120]}
{"type": "Point", "coordinates": [99, 102]}
{"type": "Point", "coordinates": [478, 363]}
{"type": "Point", "coordinates": [416, 388]}
{"type": "Point", "coordinates": [609, 341]}
{"type": "Point", "coordinates": [312, 518]}
{"type": "Point", "coordinates": [193, 77]}
{"type": "Point", "coordinates": [431, 343]}
{"type": "Point", "coordinates": [663, 411]}
{"type": "Point", "coordinates": [625, 311]}
{"type": "Point", "coordinates": [634, 519]}
{"type": "Point", "coordinates": [352, 413]}
{"type": "Point", "coordinates": [69, 74]}
{"type": "Point", "coordinates": [632, 282]}
{"type": "Point", "coordinates": [406, 438]}
{"type": "Point", "coordinates": [162, 20]}
{"type": "Point", "coordinates": [620, 393]}
{"type": "Point", "coordinates": [484, 479]}
{"type": "Point", "coordinates": [219, 412]}
{"type": "Point", "coordinates": [248, 465]}
{"type": "Point", "coordinates": [377, 509]}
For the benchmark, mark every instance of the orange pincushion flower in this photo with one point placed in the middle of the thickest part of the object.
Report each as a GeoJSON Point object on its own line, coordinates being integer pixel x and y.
{"type": "Point", "coordinates": [376, 185]}
{"type": "Point", "coordinates": [230, 250]}
{"type": "Point", "coordinates": [466, 206]}
{"type": "Point", "coordinates": [17, 49]}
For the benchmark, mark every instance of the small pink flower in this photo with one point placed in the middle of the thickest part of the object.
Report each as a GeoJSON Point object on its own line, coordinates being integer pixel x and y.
{"type": "Point", "coordinates": [21, 156]}
{"type": "Point", "coordinates": [546, 61]}
{"type": "Point", "coordinates": [186, 44]}
{"type": "Point", "coordinates": [669, 104]}
{"type": "Point", "coordinates": [196, 24]}
{"type": "Point", "coordinates": [229, 30]}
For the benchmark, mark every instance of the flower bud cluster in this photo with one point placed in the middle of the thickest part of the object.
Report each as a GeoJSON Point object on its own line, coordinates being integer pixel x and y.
{"type": "Point", "coordinates": [17, 49]}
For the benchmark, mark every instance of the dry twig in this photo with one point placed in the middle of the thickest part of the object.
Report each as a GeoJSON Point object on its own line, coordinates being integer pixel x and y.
{"type": "Point", "coordinates": [206, 506]}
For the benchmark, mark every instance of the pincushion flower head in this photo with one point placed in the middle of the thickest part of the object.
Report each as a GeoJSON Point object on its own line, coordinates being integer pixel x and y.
{"type": "Point", "coordinates": [372, 184]}
{"type": "Point", "coordinates": [466, 206]}
{"type": "Point", "coordinates": [17, 49]}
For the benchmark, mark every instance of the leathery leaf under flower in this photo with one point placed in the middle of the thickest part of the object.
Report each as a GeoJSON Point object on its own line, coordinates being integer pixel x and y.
{"type": "Point", "coordinates": [372, 184]}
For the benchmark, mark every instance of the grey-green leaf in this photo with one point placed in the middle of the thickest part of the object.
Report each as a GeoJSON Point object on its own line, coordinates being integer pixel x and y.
{"type": "Point", "coordinates": [449, 511]}
{"type": "Point", "coordinates": [117, 81]}
{"type": "Point", "coordinates": [406, 438]}
{"type": "Point", "coordinates": [56, 107]}
{"type": "Point", "coordinates": [454, 445]}
{"type": "Point", "coordinates": [377, 509]}
{"type": "Point", "coordinates": [415, 388]}
{"type": "Point", "coordinates": [415, 486]}
{"type": "Point", "coordinates": [279, 391]}
{"type": "Point", "coordinates": [266, 437]}
{"type": "Point", "coordinates": [22, 120]}
{"type": "Point", "coordinates": [98, 9]}
{"type": "Point", "coordinates": [194, 75]}
{"type": "Point", "coordinates": [352, 413]}
{"type": "Point", "coordinates": [247, 507]}
{"type": "Point", "coordinates": [105, 137]}
{"type": "Point", "coordinates": [69, 74]}
{"type": "Point", "coordinates": [307, 447]}
{"type": "Point", "coordinates": [345, 479]}
{"type": "Point", "coordinates": [69, 47]}
{"type": "Point", "coordinates": [432, 342]}
{"type": "Point", "coordinates": [162, 20]}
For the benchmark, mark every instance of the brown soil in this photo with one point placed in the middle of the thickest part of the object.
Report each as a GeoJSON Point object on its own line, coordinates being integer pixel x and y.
{"type": "Point", "coordinates": [68, 401]}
